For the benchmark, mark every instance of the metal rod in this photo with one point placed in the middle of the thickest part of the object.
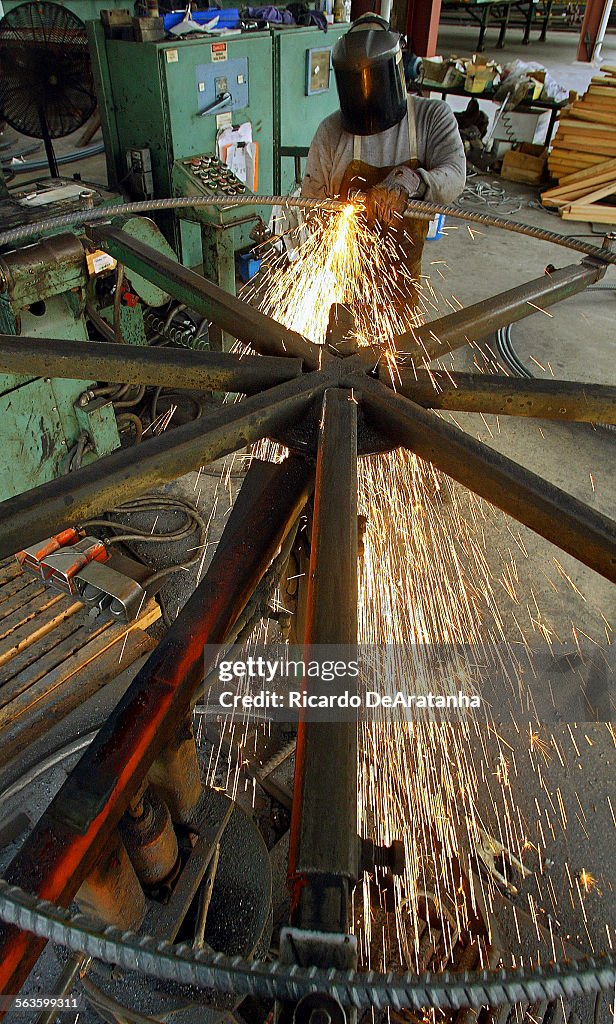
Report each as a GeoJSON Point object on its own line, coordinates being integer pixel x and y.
{"type": "Point", "coordinates": [323, 857]}
{"type": "Point", "coordinates": [133, 364]}
{"type": "Point", "coordinates": [481, 319]}
{"type": "Point", "coordinates": [490, 393]}
{"type": "Point", "coordinates": [110, 481]}
{"type": "Point", "coordinates": [554, 514]}
{"type": "Point", "coordinates": [66, 842]}
{"type": "Point", "coordinates": [228, 312]}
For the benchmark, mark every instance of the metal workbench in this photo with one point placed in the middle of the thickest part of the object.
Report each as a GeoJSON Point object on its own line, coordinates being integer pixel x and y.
{"type": "Point", "coordinates": [481, 11]}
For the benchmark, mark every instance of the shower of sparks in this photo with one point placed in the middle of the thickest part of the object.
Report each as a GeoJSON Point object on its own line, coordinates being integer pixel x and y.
{"type": "Point", "coordinates": [425, 579]}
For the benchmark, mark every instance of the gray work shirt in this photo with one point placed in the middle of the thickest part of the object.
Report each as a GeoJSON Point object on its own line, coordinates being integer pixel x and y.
{"type": "Point", "coordinates": [439, 150]}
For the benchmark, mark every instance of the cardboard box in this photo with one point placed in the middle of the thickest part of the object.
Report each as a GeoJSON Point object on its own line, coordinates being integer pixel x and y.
{"type": "Point", "coordinates": [478, 77]}
{"type": "Point", "coordinates": [526, 164]}
{"type": "Point", "coordinates": [522, 126]}
{"type": "Point", "coordinates": [437, 71]}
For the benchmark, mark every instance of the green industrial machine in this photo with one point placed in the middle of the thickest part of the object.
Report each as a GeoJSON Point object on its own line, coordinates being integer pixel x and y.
{"type": "Point", "coordinates": [57, 288]}
{"type": "Point", "coordinates": [163, 103]}
{"type": "Point", "coordinates": [160, 103]}
{"type": "Point", "coordinates": [43, 291]}
{"type": "Point", "coordinates": [304, 94]}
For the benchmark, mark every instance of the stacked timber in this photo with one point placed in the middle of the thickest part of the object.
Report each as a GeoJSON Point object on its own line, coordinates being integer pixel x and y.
{"type": "Point", "coordinates": [586, 135]}
{"type": "Point", "coordinates": [588, 195]}
{"type": "Point", "coordinates": [55, 657]}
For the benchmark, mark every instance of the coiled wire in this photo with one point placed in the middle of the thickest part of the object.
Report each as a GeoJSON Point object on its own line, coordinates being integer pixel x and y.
{"type": "Point", "coordinates": [183, 964]}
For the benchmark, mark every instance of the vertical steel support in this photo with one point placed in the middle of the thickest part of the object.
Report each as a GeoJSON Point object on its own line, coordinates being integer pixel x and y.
{"type": "Point", "coordinates": [422, 21]}
{"type": "Point", "coordinates": [323, 859]}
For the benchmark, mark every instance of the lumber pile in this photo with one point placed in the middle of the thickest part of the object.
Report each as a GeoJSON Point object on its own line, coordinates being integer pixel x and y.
{"type": "Point", "coordinates": [583, 158]}
{"type": "Point", "coordinates": [586, 135]}
{"type": "Point", "coordinates": [585, 195]}
{"type": "Point", "coordinates": [55, 657]}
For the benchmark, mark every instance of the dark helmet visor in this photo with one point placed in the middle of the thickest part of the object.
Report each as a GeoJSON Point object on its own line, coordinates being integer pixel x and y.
{"type": "Point", "coordinates": [370, 79]}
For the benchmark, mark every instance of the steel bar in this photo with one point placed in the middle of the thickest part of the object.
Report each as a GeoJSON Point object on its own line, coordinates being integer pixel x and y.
{"type": "Point", "coordinates": [554, 514]}
{"type": "Point", "coordinates": [133, 364]}
{"type": "Point", "coordinates": [65, 843]}
{"type": "Point", "coordinates": [481, 319]}
{"type": "Point", "coordinates": [508, 396]}
{"type": "Point", "coordinates": [125, 473]}
{"type": "Point", "coordinates": [323, 861]}
{"type": "Point", "coordinates": [228, 312]}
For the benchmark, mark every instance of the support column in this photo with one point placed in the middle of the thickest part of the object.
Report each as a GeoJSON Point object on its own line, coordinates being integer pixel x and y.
{"type": "Point", "coordinates": [323, 858]}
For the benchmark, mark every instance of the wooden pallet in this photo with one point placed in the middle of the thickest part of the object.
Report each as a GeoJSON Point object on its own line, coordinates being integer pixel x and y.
{"type": "Point", "coordinates": [54, 657]}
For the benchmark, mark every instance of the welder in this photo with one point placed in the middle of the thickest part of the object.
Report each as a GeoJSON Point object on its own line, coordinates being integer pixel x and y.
{"type": "Point", "coordinates": [387, 144]}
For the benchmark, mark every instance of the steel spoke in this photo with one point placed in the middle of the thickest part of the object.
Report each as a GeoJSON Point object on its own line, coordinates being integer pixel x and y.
{"type": "Point", "coordinates": [490, 393]}
{"type": "Point", "coordinates": [245, 322]}
{"type": "Point", "coordinates": [551, 512]}
{"type": "Point", "coordinates": [133, 364]}
{"type": "Point", "coordinates": [109, 481]}
{"type": "Point", "coordinates": [481, 319]}
{"type": "Point", "coordinates": [323, 862]}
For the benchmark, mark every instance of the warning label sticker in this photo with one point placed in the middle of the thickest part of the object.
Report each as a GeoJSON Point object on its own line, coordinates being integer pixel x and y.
{"type": "Point", "coordinates": [219, 51]}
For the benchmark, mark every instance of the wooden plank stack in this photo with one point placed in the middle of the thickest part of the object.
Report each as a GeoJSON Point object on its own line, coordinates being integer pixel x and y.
{"type": "Point", "coordinates": [584, 195]}
{"type": "Point", "coordinates": [54, 656]}
{"type": "Point", "coordinates": [583, 158]}
{"type": "Point", "coordinates": [586, 134]}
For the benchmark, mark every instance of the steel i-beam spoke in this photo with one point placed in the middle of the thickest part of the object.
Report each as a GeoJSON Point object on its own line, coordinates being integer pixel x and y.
{"type": "Point", "coordinates": [559, 517]}
{"type": "Point", "coordinates": [480, 320]}
{"type": "Point", "coordinates": [496, 395]}
{"type": "Point", "coordinates": [134, 364]}
{"type": "Point", "coordinates": [67, 840]}
{"type": "Point", "coordinates": [324, 847]}
{"type": "Point", "coordinates": [241, 320]}
{"type": "Point", "coordinates": [108, 482]}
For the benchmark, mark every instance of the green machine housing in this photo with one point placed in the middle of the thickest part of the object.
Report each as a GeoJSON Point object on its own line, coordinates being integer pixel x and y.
{"type": "Point", "coordinates": [43, 294]}
{"type": "Point", "coordinates": [155, 96]}
{"type": "Point", "coordinates": [47, 291]}
{"type": "Point", "coordinates": [159, 99]}
{"type": "Point", "coordinates": [304, 94]}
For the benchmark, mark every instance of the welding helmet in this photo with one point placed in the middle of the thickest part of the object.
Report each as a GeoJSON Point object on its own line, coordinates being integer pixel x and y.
{"type": "Point", "coordinates": [367, 62]}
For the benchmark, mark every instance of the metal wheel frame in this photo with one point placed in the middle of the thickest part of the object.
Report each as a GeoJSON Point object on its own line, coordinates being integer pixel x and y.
{"type": "Point", "coordinates": [291, 379]}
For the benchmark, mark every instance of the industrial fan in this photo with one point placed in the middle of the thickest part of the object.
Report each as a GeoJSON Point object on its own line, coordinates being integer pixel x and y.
{"type": "Point", "coordinates": [46, 85]}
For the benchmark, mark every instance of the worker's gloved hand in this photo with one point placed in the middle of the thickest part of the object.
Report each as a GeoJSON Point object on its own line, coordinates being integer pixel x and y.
{"type": "Point", "coordinates": [385, 207]}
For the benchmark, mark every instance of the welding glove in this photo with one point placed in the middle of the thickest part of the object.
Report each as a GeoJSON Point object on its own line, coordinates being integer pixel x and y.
{"type": "Point", "coordinates": [384, 207]}
{"type": "Point", "coordinates": [386, 203]}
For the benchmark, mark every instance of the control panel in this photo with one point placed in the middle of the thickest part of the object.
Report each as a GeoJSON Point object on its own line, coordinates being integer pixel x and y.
{"type": "Point", "coordinates": [208, 175]}
{"type": "Point", "coordinates": [223, 85]}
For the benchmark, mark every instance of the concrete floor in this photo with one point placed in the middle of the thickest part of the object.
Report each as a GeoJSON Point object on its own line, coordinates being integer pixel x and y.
{"type": "Point", "coordinates": [578, 342]}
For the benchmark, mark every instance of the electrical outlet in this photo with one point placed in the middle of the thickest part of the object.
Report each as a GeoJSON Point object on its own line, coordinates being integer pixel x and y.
{"type": "Point", "coordinates": [139, 167]}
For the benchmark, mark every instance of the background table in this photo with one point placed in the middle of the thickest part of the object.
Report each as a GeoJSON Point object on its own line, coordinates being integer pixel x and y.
{"type": "Point", "coordinates": [552, 105]}
{"type": "Point", "coordinates": [499, 11]}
